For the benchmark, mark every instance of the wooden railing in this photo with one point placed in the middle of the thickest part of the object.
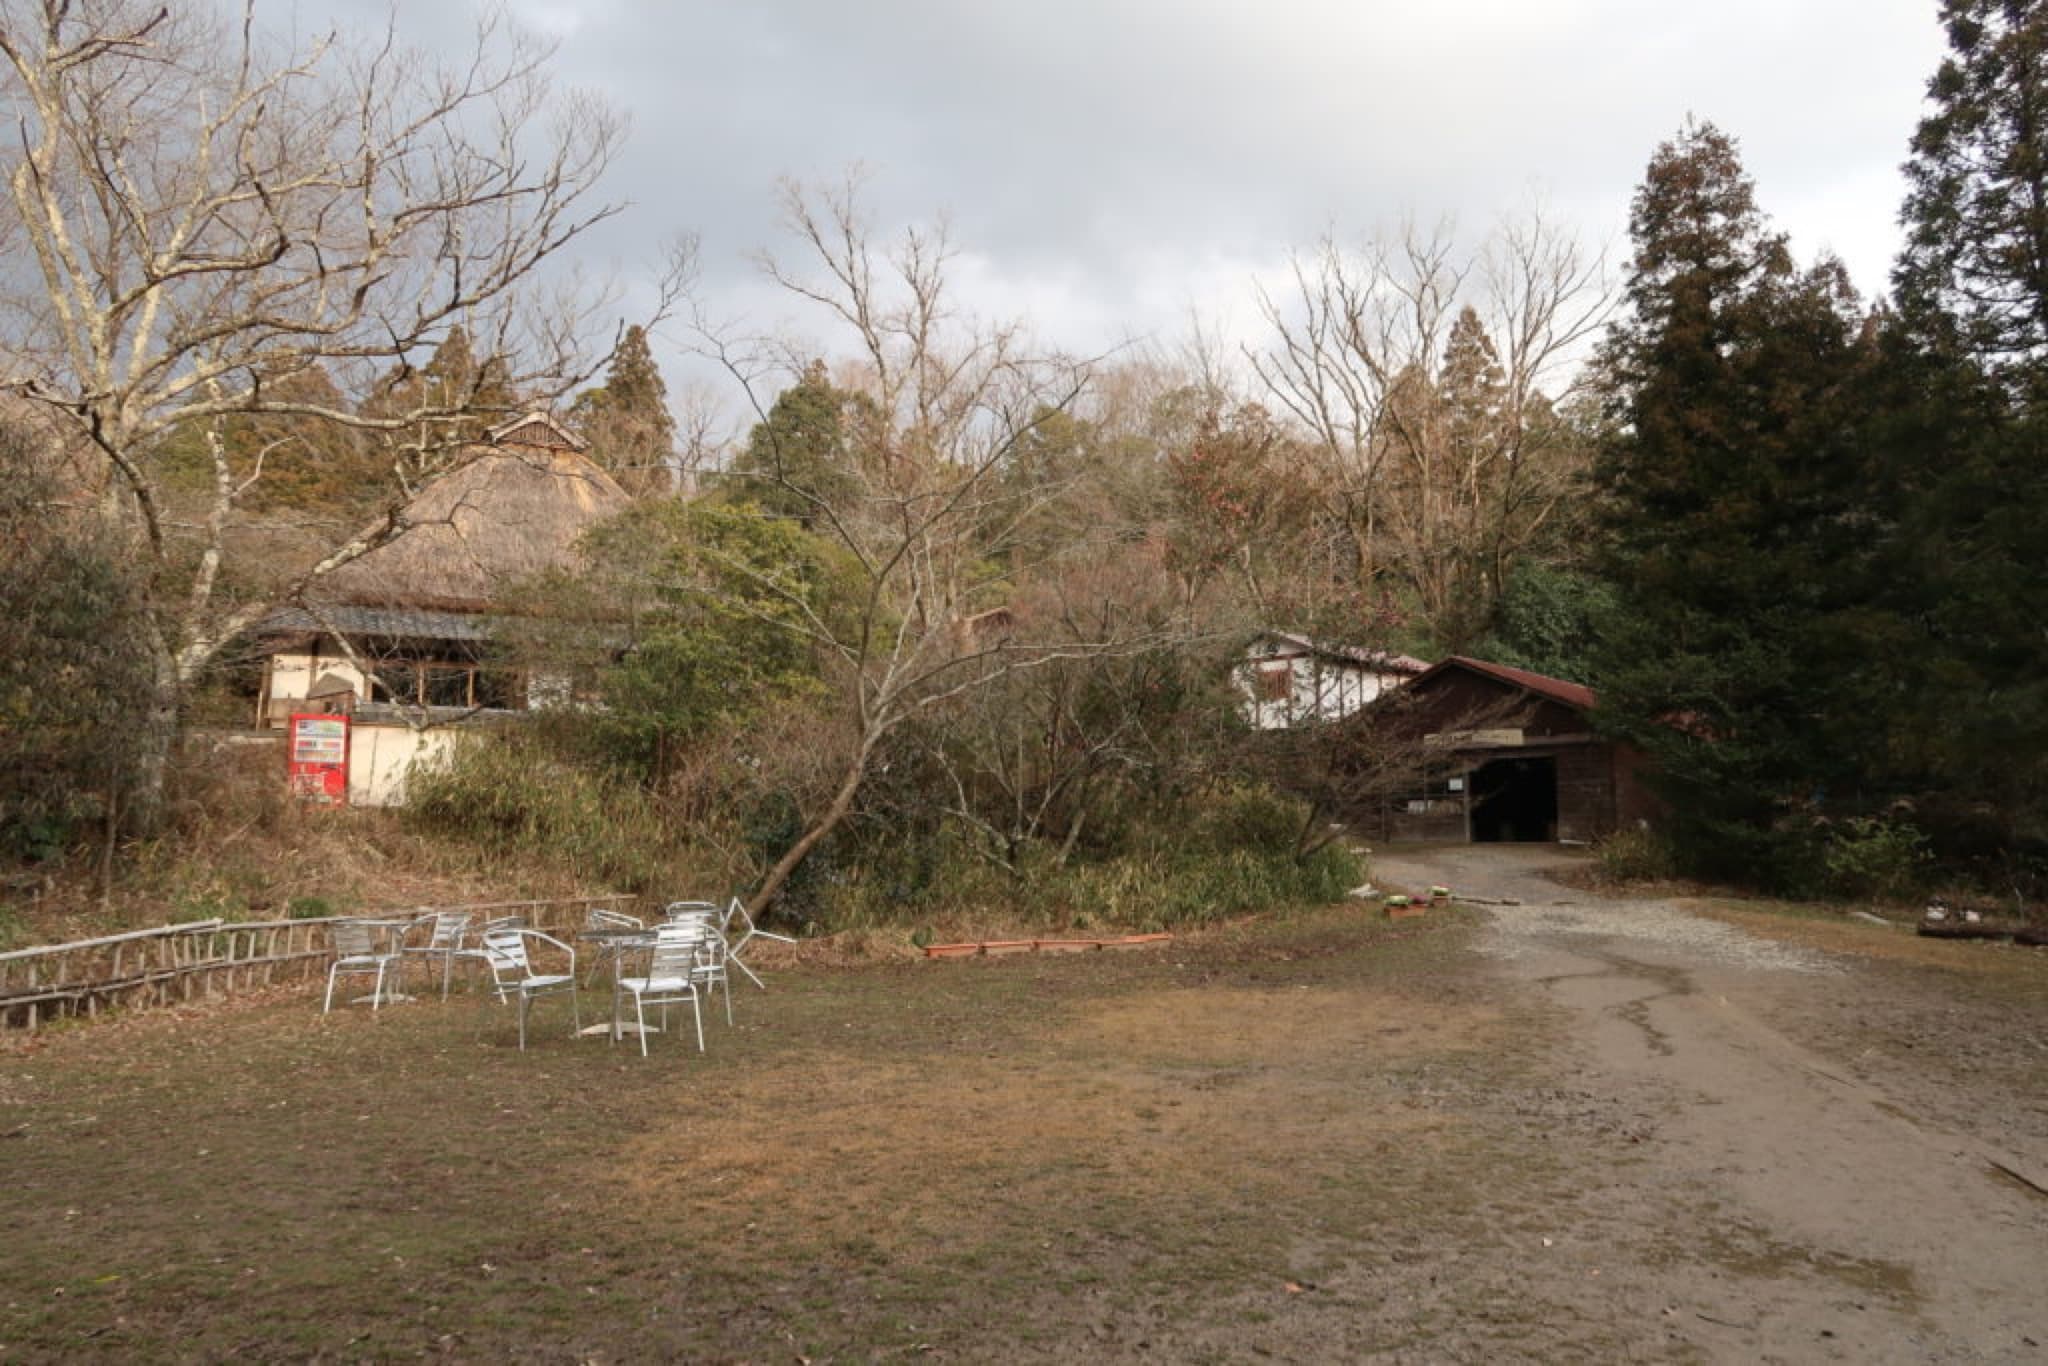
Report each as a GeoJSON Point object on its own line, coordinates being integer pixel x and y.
{"type": "Point", "coordinates": [208, 958]}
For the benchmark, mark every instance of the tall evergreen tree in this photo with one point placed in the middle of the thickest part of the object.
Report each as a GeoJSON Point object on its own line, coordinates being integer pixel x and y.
{"type": "Point", "coordinates": [1735, 531]}
{"type": "Point", "coordinates": [803, 459]}
{"type": "Point", "coordinates": [74, 677]}
{"type": "Point", "coordinates": [626, 419]}
{"type": "Point", "coordinates": [1974, 270]}
{"type": "Point", "coordinates": [459, 394]}
{"type": "Point", "coordinates": [291, 466]}
{"type": "Point", "coordinates": [1969, 437]}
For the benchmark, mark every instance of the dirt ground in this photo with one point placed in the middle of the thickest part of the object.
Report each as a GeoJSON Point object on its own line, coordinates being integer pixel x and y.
{"type": "Point", "coordinates": [1850, 1123]}
{"type": "Point", "coordinates": [1572, 1129]}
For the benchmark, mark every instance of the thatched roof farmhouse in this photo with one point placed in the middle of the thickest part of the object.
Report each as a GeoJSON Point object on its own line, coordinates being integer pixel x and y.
{"type": "Point", "coordinates": [408, 626]}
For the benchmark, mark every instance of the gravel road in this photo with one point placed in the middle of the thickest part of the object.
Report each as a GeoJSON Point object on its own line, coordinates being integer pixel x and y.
{"type": "Point", "coordinates": [1803, 1194]}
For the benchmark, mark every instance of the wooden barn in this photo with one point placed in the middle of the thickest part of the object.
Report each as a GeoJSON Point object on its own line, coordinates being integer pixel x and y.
{"type": "Point", "coordinates": [402, 639]}
{"type": "Point", "coordinates": [1514, 760]}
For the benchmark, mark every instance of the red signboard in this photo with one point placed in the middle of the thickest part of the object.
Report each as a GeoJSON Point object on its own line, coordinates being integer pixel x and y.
{"type": "Point", "coordinates": [317, 757]}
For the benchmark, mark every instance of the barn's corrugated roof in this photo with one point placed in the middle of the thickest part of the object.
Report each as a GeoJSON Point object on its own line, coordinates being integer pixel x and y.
{"type": "Point", "coordinates": [1576, 695]}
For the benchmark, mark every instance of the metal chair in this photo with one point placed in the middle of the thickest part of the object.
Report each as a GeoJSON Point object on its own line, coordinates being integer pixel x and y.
{"type": "Point", "coordinates": [358, 954]}
{"type": "Point", "coordinates": [709, 971]}
{"type": "Point", "coordinates": [736, 910]}
{"type": "Point", "coordinates": [671, 978]}
{"type": "Point", "coordinates": [677, 910]}
{"type": "Point", "coordinates": [513, 976]}
{"type": "Point", "coordinates": [446, 931]}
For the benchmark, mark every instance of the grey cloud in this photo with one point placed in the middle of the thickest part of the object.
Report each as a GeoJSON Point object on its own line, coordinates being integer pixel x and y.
{"type": "Point", "coordinates": [1093, 144]}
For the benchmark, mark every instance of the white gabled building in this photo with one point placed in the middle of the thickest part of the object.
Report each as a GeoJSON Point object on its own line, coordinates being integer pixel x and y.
{"type": "Point", "coordinates": [1290, 680]}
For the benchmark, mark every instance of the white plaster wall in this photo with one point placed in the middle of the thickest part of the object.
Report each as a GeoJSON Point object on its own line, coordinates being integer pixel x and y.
{"type": "Point", "coordinates": [380, 755]}
{"type": "Point", "coordinates": [1322, 689]}
{"type": "Point", "coordinates": [292, 674]}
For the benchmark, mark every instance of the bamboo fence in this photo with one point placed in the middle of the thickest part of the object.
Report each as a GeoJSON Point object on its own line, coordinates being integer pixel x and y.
{"type": "Point", "coordinates": [203, 959]}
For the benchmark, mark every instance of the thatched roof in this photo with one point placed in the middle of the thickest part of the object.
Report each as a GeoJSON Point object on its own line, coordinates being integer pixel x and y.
{"type": "Point", "coordinates": [514, 507]}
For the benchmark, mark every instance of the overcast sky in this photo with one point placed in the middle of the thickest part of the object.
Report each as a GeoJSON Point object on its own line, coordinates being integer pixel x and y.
{"type": "Point", "coordinates": [1110, 166]}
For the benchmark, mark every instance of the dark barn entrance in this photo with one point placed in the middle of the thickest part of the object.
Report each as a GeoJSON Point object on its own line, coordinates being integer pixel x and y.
{"type": "Point", "coordinates": [1514, 801]}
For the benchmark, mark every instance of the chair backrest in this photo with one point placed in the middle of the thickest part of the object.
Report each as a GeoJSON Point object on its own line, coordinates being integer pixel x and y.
{"type": "Point", "coordinates": [597, 918]}
{"type": "Point", "coordinates": [505, 922]}
{"type": "Point", "coordinates": [677, 946]}
{"type": "Point", "coordinates": [505, 951]}
{"type": "Point", "coordinates": [354, 939]}
{"type": "Point", "coordinates": [677, 910]}
{"type": "Point", "coordinates": [449, 929]}
{"type": "Point", "coordinates": [700, 925]}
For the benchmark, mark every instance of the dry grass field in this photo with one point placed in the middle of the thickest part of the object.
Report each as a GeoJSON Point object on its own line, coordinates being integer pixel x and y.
{"type": "Point", "coordinates": [1305, 1137]}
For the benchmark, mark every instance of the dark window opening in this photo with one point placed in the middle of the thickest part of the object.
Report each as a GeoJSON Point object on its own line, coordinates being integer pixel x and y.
{"type": "Point", "coordinates": [447, 685]}
{"type": "Point", "coordinates": [430, 683]}
{"type": "Point", "coordinates": [498, 689]}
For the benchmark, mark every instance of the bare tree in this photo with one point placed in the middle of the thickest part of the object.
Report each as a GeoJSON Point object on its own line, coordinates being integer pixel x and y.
{"type": "Point", "coordinates": [1036, 756]}
{"type": "Point", "coordinates": [207, 214]}
{"type": "Point", "coordinates": [947, 400]}
{"type": "Point", "coordinates": [1429, 380]}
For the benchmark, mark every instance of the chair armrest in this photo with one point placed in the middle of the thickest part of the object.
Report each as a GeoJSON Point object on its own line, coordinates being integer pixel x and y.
{"type": "Point", "coordinates": [550, 939]}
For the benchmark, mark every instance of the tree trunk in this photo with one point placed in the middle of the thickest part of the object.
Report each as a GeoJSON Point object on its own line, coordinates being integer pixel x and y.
{"type": "Point", "coordinates": [793, 857]}
{"type": "Point", "coordinates": [153, 745]}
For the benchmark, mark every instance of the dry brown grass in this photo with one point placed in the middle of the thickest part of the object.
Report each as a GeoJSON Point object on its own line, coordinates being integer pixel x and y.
{"type": "Point", "coordinates": [898, 1154]}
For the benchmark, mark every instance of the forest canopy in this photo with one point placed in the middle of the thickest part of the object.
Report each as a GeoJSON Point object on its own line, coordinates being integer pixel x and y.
{"type": "Point", "coordinates": [944, 611]}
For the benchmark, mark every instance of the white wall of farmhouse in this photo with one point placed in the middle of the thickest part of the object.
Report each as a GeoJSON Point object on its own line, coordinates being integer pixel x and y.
{"type": "Point", "coordinates": [292, 674]}
{"type": "Point", "coordinates": [381, 754]}
{"type": "Point", "coordinates": [381, 757]}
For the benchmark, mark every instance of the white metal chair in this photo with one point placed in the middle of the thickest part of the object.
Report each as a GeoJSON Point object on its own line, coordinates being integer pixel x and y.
{"type": "Point", "coordinates": [671, 978]}
{"type": "Point", "coordinates": [598, 918]}
{"type": "Point", "coordinates": [513, 977]}
{"type": "Point", "coordinates": [736, 910]}
{"type": "Point", "coordinates": [678, 910]}
{"type": "Point", "coordinates": [358, 954]}
{"type": "Point", "coordinates": [709, 972]}
{"type": "Point", "coordinates": [446, 931]}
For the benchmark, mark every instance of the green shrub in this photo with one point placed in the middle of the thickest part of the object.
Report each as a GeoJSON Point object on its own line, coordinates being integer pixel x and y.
{"type": "Point", "coordinates": [1231, 856]}
{"type": "Point", "coordinates": [1636, 856]}
{"type": "Point", "coordinates": [508, 796]}
{"type": "Point", "coordinates": [1255, 819]}
{"type": "Point", "coordinates": [207, 905]}
{"type": "Point", "coordinates": [1875, 857]}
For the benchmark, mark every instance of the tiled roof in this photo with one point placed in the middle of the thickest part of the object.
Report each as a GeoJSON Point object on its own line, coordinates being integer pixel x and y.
{"type": "Point", "coordinates": [390, 622]}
